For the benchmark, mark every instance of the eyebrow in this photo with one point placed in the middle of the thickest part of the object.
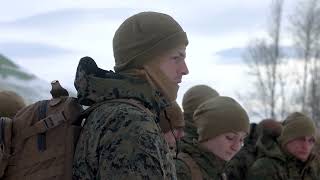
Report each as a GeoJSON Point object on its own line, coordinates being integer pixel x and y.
{"type": "Point", "coordinates": [182, 54]}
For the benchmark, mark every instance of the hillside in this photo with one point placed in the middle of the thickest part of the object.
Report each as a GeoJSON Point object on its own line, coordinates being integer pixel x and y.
{"type": "Point", "coordinates": [14, 78]}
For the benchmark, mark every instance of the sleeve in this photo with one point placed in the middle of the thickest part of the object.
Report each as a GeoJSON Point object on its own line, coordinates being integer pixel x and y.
{"type": "Point", "coordinates": [236, 169]}
{"type": "Point", "coordinates": [183, 171]}
{"type": "Point", "coordinates": [264, 169]}
{"type": "Point", "coordinates": [132, 147]}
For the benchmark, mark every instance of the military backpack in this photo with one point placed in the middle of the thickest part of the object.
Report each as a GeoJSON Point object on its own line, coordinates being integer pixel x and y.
{"type": "Point", "coordinates": [39, 142]}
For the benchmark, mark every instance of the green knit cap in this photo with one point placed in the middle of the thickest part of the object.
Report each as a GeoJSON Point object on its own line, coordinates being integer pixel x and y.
{"type": "Point", "coordinates": [297, 125]}
{"type": "Point", "coordinates": [10, 103]}
{"type": "Point", "coordinates": [194, 97]}
{"type": "Point", "coordinates": [220, 115]}
{"type": "Point", "coordinates": [143, 36]}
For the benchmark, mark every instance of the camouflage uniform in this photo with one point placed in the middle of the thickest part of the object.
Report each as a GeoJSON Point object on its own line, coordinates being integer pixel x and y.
{"type": "Point", "coordinates": [275, 164]}
{"type": "Point", "coordinates": [211, 166]}
{"type": "Point", "coordinates": [238, 166]}
{"type": "Point", "coordinates": [119, 140]}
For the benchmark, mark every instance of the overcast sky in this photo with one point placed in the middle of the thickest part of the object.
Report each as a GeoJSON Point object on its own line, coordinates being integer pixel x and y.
{"type": "Point", "coordinates": [48, 38]}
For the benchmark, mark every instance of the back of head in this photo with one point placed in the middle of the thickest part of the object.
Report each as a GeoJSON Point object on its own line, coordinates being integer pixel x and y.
{"type": "Point", "coordinates": [297, 125]}
{"type": "Point", "coordinates": [269, 127]}
{"type": "Point", "coordinates": [220, 115]}
{"type": "Point", "coordinates": [173, 120]}
{"type": "Point", "coordinates": [194, 97]}
{"type": "Point", "coordinates": [144, 36]}
{"type": "Point", "coordinates": [10, 103]}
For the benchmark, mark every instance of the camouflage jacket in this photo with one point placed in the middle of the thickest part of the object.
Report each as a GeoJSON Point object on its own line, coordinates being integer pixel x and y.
{"type": "Point", "coordinates": [119, 140]}
{"type": "Point", "coordinates": [237, 168]}
{"type": "Point", "coordinates": [274, 164]}
{"type": "Point", "coordinates": [211, 167]}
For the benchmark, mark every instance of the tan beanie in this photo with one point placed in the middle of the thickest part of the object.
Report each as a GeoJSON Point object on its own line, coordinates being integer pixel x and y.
{"type": "Point", "coordinates": [174, 114]}
{"type": "Point", "coordinates": [143, 36]}
{"type": "Point", "coordinates": [296, 125]}
{"type": "Point", "coordinates": [220, 115]}
{"type": "Point", "coordinates": [194, 97]}
{"type": "Point", "coordinates": [10, 103]}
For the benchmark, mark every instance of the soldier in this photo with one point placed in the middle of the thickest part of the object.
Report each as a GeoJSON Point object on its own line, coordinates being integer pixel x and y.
{"type": "Point", "coordinates": [222, 124]}
{"type": "Point", "coordinates": [237, 168]}
{"type": "Point", "coordinates": [121, 139]}
{"type": "Point", "coordinates": [172, 125]}
{"type": "Point", "coordinates": [290, 155]}
{"type": "Point", "coordinates": [10, 103]}
{"type": "Point", "coordinates": [190, 101]}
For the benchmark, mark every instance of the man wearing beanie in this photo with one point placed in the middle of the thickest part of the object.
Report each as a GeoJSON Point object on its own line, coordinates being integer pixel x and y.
{"type": "Point", "coordinates": [222, 124]}
{"type": "Point", "coordinates": [290, 155]}
{"type": "Point", "coordinates": [172, 125]}
{"type": "Point", "coordinates": [237, 168]}
{"type": "Point", "coordinates": [121, 138]}
{"type": "Point", "coordinates": [10, 103]}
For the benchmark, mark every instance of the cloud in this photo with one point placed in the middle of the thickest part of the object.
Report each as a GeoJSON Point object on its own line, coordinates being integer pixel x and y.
{"type": "Point", "coordinates": [67, 17]}
{"type": "Point", "coordinates": [31, 50]}
{"type": "Point", "coordinates": [235, 55]}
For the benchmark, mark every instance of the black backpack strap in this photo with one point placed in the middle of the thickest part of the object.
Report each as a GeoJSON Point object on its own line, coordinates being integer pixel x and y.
{"type": "Point", "coordinates": [2, 134]}
{"type": "Point", "coordinates": [42, 113]}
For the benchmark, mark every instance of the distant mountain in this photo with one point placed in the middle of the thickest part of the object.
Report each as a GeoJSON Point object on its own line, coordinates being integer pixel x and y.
{"type": "Point", "coordinates": [13, 78]}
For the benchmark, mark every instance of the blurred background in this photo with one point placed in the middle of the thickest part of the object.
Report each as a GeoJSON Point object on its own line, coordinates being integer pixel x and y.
{"type": "Point", "coordinates": [263, 53]}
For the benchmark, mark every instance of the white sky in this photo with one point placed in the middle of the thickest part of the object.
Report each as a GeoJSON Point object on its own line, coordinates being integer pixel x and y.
{"type": "Point", "coordinates": [48, 38]}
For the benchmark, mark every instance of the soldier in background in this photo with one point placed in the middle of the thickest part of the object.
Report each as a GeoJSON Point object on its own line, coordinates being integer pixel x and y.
{"type": "Point", "coordinates": [222, 125]}
{"type": "Point", "coordinates": [190, 102]}
{"type": "Point", "coordinates": [121, 138]}
{"type": "Point", "coordinates": [10, 103]}
{"type": "Point", "coordinates": [237, 168]}
{"type": "Point", "coordinates": [290, 155]}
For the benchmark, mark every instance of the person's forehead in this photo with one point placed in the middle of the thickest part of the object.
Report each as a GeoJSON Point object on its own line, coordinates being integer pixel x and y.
{"type": "Point", "coordinates": [302, 138]}
{"type": "Point", "coordinates": [179, 50]}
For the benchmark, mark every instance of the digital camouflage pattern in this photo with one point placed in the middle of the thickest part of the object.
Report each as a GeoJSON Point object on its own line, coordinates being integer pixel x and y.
{"type": "Point", "coordinates": [211, 167]}
{"type": "Point", "coordinates": [239, 165]}
{"type": "Point", "coordinates": [119, 140]}
{"type": "Point", "coordinates": [274, 164]}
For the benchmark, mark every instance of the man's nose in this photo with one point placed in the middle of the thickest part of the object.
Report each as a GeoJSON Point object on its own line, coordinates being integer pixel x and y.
{"type": "Point", "coordinates": [184, 68]}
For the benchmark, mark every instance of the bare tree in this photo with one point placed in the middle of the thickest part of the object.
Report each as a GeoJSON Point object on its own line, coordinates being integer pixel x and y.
{"type": "Point", "coordinates": [263, 57]}
{"type": "Point", "coordinates": [305, 25]}
{"type": "Point", "coordinates": [314, 97]}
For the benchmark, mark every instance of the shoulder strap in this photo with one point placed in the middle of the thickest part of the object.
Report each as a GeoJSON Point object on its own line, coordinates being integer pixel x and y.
{"type": "Point", "coordinates": [135, 103]}
{"type": "Point", "coordinates": [132, 102]}
{"type": "Point", "coordinates": [42, 113]}
{"type": "Point", "coordinates": [196, 173]}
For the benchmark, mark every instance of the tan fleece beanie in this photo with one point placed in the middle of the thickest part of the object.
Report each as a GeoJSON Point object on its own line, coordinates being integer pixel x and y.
{"type": "Point", "coordinates": [143, 36]}
{"type": "Point", "coordinates": [194, 97]}
{"type": "Point", "coordinates": [220, 115]}
{"type": "Point", "coordinates": [296, 125]}
{"type": "Point", "coordinates": [175, 118]}
{"type": "Point", "coordinates": [10, 103]}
